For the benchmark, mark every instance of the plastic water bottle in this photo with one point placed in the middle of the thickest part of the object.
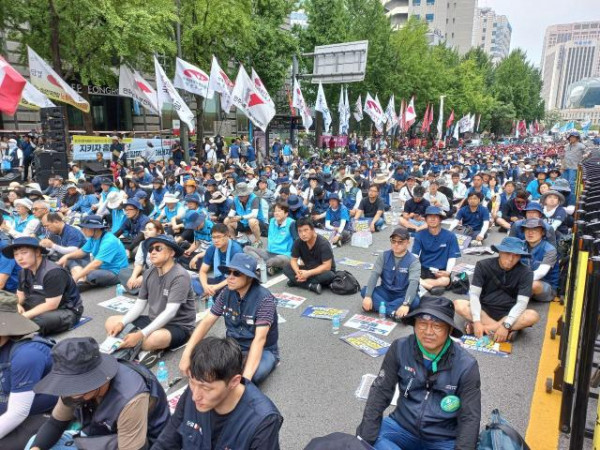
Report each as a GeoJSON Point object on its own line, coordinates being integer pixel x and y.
{"type": "Point", "coordinates": [263, 272]}
{"type": "Point", "coordinates": [120, 290]}
{"type": "Point", "coordinates": [162, 375]}
{"type": "Point", "coordinates": [382, 310]}
{"type": "Point", "coordinates": [209, 303]}
{"type": "Point", "coordinates": [335, 324]}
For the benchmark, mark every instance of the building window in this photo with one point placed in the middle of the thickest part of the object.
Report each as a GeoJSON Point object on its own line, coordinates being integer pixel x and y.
{"type": "Point", "coordinates": [416, 2]}
{"type": "Point", "coordinates": [431, 2]}
{"type": "Point", "coordinates": [417, 16]}
{"type": "Point", "coordinates": [429, 17]}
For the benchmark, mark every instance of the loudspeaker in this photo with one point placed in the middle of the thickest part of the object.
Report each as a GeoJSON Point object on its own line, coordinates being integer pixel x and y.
{"type": "Point", "coordinates": [51, 161]}
{"type": "Point", "coordinates": [53, 127]}
{"type": "Point", "coordinates": [95, 168]}
{"type": "Point", "coordinates": [53, 124]}
{"type": "Point", "coordinates": [56, 146]}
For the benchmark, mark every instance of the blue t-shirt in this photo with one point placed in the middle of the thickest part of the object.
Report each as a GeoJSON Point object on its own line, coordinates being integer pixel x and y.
{"type": "Point", "coordinates": [30, 362]}
{"type": "Point", "coordinates": [9, 267]}
{"type": "Point", "coordinates": [435, 251]}
{"type": "Point", "coordinates": [473, 219]}
{"type": "Point", "coordinates": [108, 249]}
{"type": "Point", "coordinates": [71, 237]}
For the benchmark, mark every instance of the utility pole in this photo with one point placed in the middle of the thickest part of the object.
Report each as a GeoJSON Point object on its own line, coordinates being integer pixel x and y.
{"type": "Point", "coordinates": [183, 129]}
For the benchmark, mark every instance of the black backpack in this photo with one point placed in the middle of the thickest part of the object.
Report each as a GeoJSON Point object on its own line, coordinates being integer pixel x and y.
{"type": "Point", "coordinates": [344, 283]}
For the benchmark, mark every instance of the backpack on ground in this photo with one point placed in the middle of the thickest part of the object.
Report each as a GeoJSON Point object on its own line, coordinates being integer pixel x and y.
{"type": "Point", "coordinates": [344, 283]}
{"type": "Point", "coordinates": [500, 435]}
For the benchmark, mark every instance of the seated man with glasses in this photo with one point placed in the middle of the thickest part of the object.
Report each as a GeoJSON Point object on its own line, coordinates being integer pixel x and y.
{"type": "Point", "coordinates": [166, 290]}
{"type": "Point", "coordinates": [399, 271]}
{"type": "Point", "coordinates": [439, 407]}
{"type": "Point", "coordinates": [250, 314]}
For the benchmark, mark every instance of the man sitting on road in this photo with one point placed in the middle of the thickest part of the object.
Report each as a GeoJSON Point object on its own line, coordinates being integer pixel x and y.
{"type": "Point", "coordinates": [413, 215]}
{"type": "Point", "coordinates": [372, 208]}
{"type": "Point", "coordinates": [543, 261]}
{"type": "Point", "coordinates": [337, 218]}
{"type": "Point", "coordinates": [399, 271]}
{"type": "Point", "coordinates": [166, 290]}
{"type": "Point", "coordinates": [47, 293]}
{"type": "Point", "coordinates": [250, 314]}
{"type": "Point", "coordinates": [499, 294]}
{"type": "Point", "coordinates": [115, 404]}
{"type": "Point", "coordinates": [318, 266]}
{"type": "Point", "coordinates": [533, 210]}
{"type": "Point", "coordinates": [474, 216]}
{"type": "Point", "coordinates": [512, 211]}
{"type": "Point", "coordinates": [63, 238]}
{"type": "Point", "coordinates": [246, 214]}
{"type": "Point", "coordinates": [108, 253]}
{"type": "Point", "coordinates": [132, 230]}
{"type": "Point", "coordinates": [230, 410]}
{"type": "Point", "coordinates": [437, 250]}
{"type": "Point", "coordinates": [439, 384]}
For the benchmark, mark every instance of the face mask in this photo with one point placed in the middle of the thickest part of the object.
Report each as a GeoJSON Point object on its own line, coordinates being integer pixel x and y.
{"type": "Point", "coordinates": [349, 184]}
{"type": "Point", "coordinates": [171, 182]}
{"type": "Point", "coordinates": [73, 403]}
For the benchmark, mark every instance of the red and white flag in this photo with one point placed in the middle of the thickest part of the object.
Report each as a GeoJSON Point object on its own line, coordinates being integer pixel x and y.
{"type": "Point", "coordinates": [43, 77]}
{"type": "Point", "coordinates": [190, 78]}
{"type": "Point", "coordinates": [375, 112]}
{"type": "Point", "coordinates": [131, 84]}
{"type": "Point", "coordinates": [250, 101]}
{"type": "Point", "coordinates": [358, 111]}
{"type": "Point", "coordinates": [299, 102]}
{"type": "Point", "coordinates": [32, 98]}
{"type": "Point", "coordinates": [220, 82]}
{"type": "Point", "coordinates": [450, 120]}
{"type": "Point", "coordinates": [410, 115]}
{"type": "Point", "coordinates": [425, 122]}
{"type": "Point", "coordinates": [261, 89]}
{"type": "Point", "coordinates": [12, 84]}
{"type": "Point", "coordinates": [168, 94]}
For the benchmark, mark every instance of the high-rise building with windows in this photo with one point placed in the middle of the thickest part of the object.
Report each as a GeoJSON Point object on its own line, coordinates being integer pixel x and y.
{"type": "Point", "coordinates": [492, 33]}
{"type": "Point", "coordinates": [450, 21]}
{"type": "Point", "coordinates": [571, 53]}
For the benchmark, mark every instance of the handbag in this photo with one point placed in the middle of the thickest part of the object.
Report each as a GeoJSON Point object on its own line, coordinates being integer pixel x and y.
{"type": "Point", "coordinates": [344, 283]}
{"type": "Point", "coordinates": [500, 435]}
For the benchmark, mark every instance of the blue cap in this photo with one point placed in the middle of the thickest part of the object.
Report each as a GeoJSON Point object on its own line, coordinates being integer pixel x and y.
{"type": "Point", "coordinates": [512, 245]}
{"type": "Point", "coordinates": [106, 180]}
{"type": "Point", "coordinates": [211, 182]}
{"type": "Point", "coordinates": [93, 222]}
{"type": "Point", "coordinates": [141, 195]}
{"type": "Point", "coordinates": [434, 211]}
{"type": "Point", "coordinates": [534, 206]}
{"type": "Point", "coordinates": [133, 202]}
{"type": "Point", "coordinates": [193, 219]}
{"type": "Point", "coordinates": [243, 263]}
{"type": "Point", "coordinates": [334, 196]}
{"type": "Point", "coordinates": [192, 198]}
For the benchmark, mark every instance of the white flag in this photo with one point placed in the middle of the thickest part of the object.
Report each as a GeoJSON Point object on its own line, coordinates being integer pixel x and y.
{"type": "Point", "coordinates": [456, 130]}
{"type": "Point", "coordinates": [247, 98]}
{"type": "Point", "coordinates": [299, 102]}
{"type": "Point", "coordinates": [358, 111]}
{"type": "Point", "coordinates": [131, 84]}
{"type": "Point", "coordinates": [390, 113]}
{"type": "Point", "coordinates": [32, 98]}
{"type": "Point", "coordinates": [190, 78]}
{"type": "Point", "coordinates": [49, 83]}
{"type": "Point", "coordinates": [373, 109]}
{"type": "Point", "coordinates": [168, 94]}
{"type": "Point", "coordinates": [344, 110]}
{"type": "Point", "coordinates": [220, 82]}
{"type": "Point", "coordinates": [262, 90]}
{"type": "Point", "coordinates": [465, 123]}
{"type": "Point", "coordinates": [440, 124]}
{"type": "Point", "coordinates": [321, 105]}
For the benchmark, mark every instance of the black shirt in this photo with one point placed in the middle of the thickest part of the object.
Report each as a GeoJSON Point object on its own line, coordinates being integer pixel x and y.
{"type": "Point", "coordinates": [410, 206]}
{"type": "Point", "coordinates": [370, 209]}
{"type": "Point", "coordinates": [315, 256]}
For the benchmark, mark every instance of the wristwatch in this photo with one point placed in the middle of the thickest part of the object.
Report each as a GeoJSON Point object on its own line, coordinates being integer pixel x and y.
{"type": "Point", "coordinates": [405, 304]}
{"type": "Point", "coordinates": [507, 325]}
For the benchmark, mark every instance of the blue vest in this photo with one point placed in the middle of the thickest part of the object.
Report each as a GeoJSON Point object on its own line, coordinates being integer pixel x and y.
{"type": "Point", "coordinates": [349, 198]}
{"type": "Point", "coordinates": [170, 213]}
{"type": "Point", "coordinates": [280, 239]}
{"type": "Point", "coordinates": [20, 224]}
{"type": "Point", "coordinates": [127, 383]}
{"type": "Point", "coordinates": [537, 256]}
{"type": "Point", "coordinates": [240, 317]}
{"type": "Point", "coordinates": [242, 210]}
{"type": "Point", "coordinates": [395, 277]}
{"type": "Point", "coordinates": [239, 429]}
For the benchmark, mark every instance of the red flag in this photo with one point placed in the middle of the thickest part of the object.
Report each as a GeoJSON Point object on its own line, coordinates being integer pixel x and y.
{"type": "Point", "coordinates": [410, 114]}
{"type": "Point", "coordinates": [12, 84]}
{"type": "Point", "coordinates": [430, 120]}
{"type": "Point", "coordinates": [450, 120]}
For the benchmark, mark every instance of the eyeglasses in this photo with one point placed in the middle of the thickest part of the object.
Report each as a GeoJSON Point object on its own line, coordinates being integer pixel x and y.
{"type": "Point", "coordinates": [38, 209]}
{"type": "Point", "coordinates": [156, 248]}
{"type": "Point", "coordinates": [398, 241]}
{"type": "Point", "coordinates": [423, 325]}
{"type": "Point", "coordinates": [218, 236]}
{"type": "Point", "coordinates": [235, 273]}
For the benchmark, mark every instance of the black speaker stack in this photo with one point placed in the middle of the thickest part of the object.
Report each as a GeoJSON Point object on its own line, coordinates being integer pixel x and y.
{"type": "Point", "coordinates": [53, 160]}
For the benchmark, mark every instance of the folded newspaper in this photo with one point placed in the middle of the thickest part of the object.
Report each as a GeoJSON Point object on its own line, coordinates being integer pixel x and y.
{"type": "Point", "coordinates": [365, 385]}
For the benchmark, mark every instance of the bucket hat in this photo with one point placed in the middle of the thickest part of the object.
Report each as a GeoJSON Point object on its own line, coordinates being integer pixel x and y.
{"type": "Point", "coordinates": [561, 197]}
{"type": "Point", "coordinates": [114, 199]}
{"type": "Point", "coordinates": [166, 239]}
{"type": "Point", "coordinates": [561, 185]}
{"type": "Point", "coordinates": [193, 220]}
{"type": "Point", "coordinates": [534, 206]}
{"type": "Point", "coordinates": [133, 202]}
{"type": "Point", "coordinates": [78, 367]}
{"type": "Point", "coordinates": [93, 222]}
{"type": "Point", "coordinates": [434, 211]}
{"type": "Point", "coordinates": [217, 197]}
{"type": "Point", "coordinates": [380, 179]}
{"type": "Point", "coordinates": [192, 198]}
{"type": "Point", "coordinates": [533, 223]}
{"type": "Point", "coordinates": [439, 307]}
{"type": "Point", "coordinates": [512, 245]}
{"type": "Point", "coordinates": [294, 202]}
{"type": "Point", "coordinates": [11, 322]}
{"type": "Point", "coordinates": [31, 242]}
{"type": "Point", "coordinates": [334, 196]}
{"type": "Point", "coordinates": [243, 263]}
{"type": "Point", "coordinates": [170, 198]}
{"type": "Point", "coordinates": [24, 202]}
{"type": "Point", "coordinates": [242, 190]}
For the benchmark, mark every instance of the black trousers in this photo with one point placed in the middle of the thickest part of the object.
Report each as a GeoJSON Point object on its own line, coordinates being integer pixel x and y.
{"type": "Point", "coordinates": [56, 321]}
{"type": "Point", "coordinates": [324, 278]}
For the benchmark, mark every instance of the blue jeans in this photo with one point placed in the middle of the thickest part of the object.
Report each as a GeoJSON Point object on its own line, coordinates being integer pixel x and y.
{"type": "Point", "coordinates": [571, 176]}
{"type": "Point", "coordinates": [393, 437]}
{"type": "Point", "coordinates": [392, 302]}
{"type": "Point", "coordinates": [378, 224]}
{"type": "Point", "coordinates": [268, 362]}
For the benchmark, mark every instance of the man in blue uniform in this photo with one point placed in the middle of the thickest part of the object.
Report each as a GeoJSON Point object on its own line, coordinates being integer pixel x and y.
{"type": "Point", "coordinates": [543, 261]}
{"type": "Point", "coordinates": [246, 214]}
{"type": "Point", "coordinates": [221, 408]}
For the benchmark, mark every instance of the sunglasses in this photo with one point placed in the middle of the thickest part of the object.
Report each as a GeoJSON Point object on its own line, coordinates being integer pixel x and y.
{"type": "Point", "coordinates": [156, 248]}
{"type": "Point", "coordinates": [235, 273]}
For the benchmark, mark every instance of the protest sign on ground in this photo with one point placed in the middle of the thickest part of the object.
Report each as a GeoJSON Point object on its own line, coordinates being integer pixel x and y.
{"type": "Point", "coordinates": [367, 343]}
{"type": "Point", "coordinates": [375, 325]}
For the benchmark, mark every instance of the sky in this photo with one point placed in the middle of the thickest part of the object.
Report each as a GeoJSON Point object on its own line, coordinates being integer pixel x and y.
{"type": "Point", "coordinates": [530, 18]}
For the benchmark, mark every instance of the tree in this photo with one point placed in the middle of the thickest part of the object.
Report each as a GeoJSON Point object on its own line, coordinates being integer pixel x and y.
{"type": "Point", "coordinates": [86, 39]}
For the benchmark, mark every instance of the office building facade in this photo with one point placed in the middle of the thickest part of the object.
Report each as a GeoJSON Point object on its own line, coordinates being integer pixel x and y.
{"type": "Point", "coordinates": [492, 33]}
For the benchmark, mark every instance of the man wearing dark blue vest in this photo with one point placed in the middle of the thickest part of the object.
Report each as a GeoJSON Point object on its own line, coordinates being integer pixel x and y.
{"type": "Point", "coordinates": [399, 271]}
{"type": "Point", "coordinates": [440, 387]}
{"type": "Point", "coordinates": [543, 261]}
{"type": "Point", "coordinates": [250, 315]}
{"type": "Point", "coordinates": [116, 404]}
{"type": "Point", "coordinates": [246, 214]}
{"type": "Point", "coordinates": [221, 409]}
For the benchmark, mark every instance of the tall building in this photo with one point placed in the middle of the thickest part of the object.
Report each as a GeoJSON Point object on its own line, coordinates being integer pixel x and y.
{"type": "Point", "coordinates": [571, 53]}
{"type": "Point", "coordinates": [492, 33]}
{"type": "Point", "coordinates": [450, 21]}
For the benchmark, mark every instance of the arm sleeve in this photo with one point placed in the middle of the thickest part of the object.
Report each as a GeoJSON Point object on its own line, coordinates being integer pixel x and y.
{"type": "Point", "coordinates": [64, 250]}
{"type": "Point", "coordinates": [450, 264]}
{"type": "Point", "coordinates": [135, 311]}
{"type": "Point", "coordinates": [17, 410]}
{"type": "Point", "coordinates": [266, 436]}
{"type": "Point", "coordinates": [358, 199]}
{"type": "Point", "coordinates": [475, 304]}
{"type": "Point", "coordinates": [414, 273]}
{"type": "Point", "coordinates": [518, 309]}
{"type": "Point", "coordinates": [375, 274]}
{"type": "Point", "coordinates": [162, 319]}
{"type": "Point", "coordinates": [380, 396]}
{"type": "Point", "coordinates": [541, 272]}
{"type": "Point", "coordinates": [469, 418]}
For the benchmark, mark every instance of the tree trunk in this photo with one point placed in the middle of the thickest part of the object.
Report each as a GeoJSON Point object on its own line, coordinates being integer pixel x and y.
{"type": "Point", "coordinates": [199, 127]}
{"type": "Point", "coordinates": [88, 123]}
